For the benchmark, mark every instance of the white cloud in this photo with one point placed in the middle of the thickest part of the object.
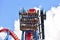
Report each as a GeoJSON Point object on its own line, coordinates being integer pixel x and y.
{"type": "Point", "coordinates": [17, 30]}
{"type": "Point", "coordinates": [1, 27]}
{"type": "Point", "coordinates": [2, 34]}
{"type": "Point", "coordinates": [52, 24]}
{"type": "Point", "coordinates": [16, 25]}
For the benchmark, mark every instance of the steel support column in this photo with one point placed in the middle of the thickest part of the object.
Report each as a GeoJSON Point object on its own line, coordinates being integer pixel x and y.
{"type": "Point", "coordinates": [22, 35]}
{"type": "Point", "coordinates": [8, 33]}
{"type": "Point", "coordinates": [36, 35]}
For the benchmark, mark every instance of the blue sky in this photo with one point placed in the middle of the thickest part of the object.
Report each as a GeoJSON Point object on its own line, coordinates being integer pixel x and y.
{"type": "Point", "coordinates": [9, 9]}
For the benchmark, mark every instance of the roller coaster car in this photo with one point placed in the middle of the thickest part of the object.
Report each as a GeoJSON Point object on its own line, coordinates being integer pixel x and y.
{"type": "Point", "coordinates": [29, 20]}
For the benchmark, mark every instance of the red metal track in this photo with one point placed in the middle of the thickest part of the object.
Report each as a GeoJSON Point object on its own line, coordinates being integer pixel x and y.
{"type": "Point", "coordinates": [11, 33]}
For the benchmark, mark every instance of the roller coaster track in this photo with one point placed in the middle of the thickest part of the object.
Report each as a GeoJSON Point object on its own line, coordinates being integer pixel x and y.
{"type": "Point", "coordinates": [11, 33]}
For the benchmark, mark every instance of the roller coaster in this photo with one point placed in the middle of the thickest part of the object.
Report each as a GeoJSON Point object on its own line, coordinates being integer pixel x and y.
{"type": "Point", "coordinates": [31, 25]}
{"type": "Point", "coordinates": [9, 32]}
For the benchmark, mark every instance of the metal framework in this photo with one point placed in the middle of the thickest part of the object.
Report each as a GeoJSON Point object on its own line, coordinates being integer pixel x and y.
{"type": "Point", "coordinates": [32, 24]}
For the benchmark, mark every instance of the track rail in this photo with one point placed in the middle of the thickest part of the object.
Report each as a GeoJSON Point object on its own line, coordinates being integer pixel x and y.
{"type": "Point", "coordinates": [11, 33]}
